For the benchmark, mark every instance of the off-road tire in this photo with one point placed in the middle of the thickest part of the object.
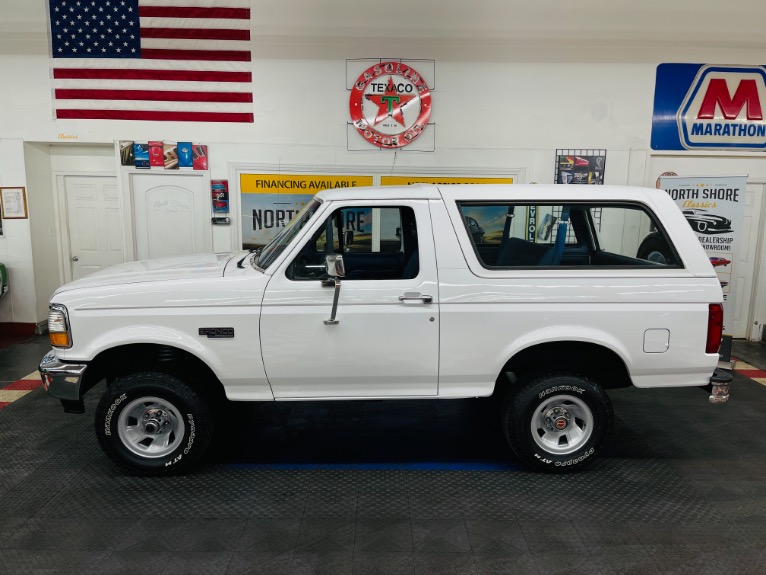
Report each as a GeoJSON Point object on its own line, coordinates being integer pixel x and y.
{"type": "Point", "coordinates": [156, 400]}
{"type": "Point", "coordinates": [533, 410]}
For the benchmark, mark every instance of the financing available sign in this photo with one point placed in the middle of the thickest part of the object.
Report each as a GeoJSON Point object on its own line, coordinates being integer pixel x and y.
{"type": "Point", "coordinates": [270, 201]}
{"type": "Point", "coordinates": [714, 207]}
{"type": "Point", "coordinates": [706, 107]}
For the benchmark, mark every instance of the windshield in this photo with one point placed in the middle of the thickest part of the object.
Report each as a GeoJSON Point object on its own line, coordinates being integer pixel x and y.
{"type": "Point", "coordinates": [271, 251]}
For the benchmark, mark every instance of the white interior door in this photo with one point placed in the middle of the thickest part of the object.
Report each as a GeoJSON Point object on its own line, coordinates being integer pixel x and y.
{"type": "Point", "coordinates": [171, 215]}
{"type": "Point", "coordinates": [94, 220]}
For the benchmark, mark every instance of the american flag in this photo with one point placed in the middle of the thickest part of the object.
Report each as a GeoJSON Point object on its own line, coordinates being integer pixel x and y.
{"type": "Point", "coordinates": [164, 60]}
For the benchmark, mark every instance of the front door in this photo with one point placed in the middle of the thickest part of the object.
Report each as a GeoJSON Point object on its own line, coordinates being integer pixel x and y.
{"type": "Point", "coordinates": [386, 341]}
{"type": "Point", "coordinates": [171, 214]}
{"type": "Point", "coordinates": [95, 224]}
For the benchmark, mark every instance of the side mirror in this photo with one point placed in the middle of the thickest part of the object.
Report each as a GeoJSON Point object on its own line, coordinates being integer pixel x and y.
{"type": "Point", "coordinates": [348, 237]}
{"type": "Point", "coordinates": [334, 265]}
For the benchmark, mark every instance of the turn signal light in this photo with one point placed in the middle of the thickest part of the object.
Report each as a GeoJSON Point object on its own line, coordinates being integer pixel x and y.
{"type": "Point", "coordinates": [58, 326]}
{"type": "Point", "coordinates": [59, 339]}
{"type": "Point", "coordinates": [714, 327]}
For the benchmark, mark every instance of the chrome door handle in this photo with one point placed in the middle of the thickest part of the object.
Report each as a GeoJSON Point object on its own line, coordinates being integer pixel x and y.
{"type": "Point", "coordinates": [75, 259]}
{"type": "Point", "coordinates": [421, 298]}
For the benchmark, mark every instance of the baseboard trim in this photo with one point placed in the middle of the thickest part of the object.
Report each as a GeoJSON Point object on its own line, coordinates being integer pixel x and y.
{"type": "Point", "coordinates": [16, 328]}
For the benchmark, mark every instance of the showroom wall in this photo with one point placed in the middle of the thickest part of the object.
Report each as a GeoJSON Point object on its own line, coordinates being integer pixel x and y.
{"type": "Point", "coordinates": [506, 96]}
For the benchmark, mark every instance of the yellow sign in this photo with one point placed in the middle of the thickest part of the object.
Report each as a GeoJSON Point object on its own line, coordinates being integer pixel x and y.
{"type": "Point", "coordinates": [298, 183]}
{"type": "Point", "coordinates": [408, 180]}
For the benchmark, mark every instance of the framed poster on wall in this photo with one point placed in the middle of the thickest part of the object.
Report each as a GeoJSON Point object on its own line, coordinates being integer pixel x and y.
{"type": "Point", "coordinates": [13, 203]}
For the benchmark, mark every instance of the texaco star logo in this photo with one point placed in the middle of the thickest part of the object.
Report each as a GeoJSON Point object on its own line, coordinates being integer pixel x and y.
{"type": "Point", "coordinates": [390, 105]}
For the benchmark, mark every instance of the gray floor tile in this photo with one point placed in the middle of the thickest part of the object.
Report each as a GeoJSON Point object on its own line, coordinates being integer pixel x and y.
{"type": "Point", "coordinates": [198, 563]}
{"type": "Point", "coordinates": [268, 535]}
{"type": "Point", "coordinates": [320, 535]}
{"type": "Point", "coordinates": [376, 535]}
{"type": "Point", "coordinates": [383, 563]}
{"type": "Point", "coordinates": [260, 563]}
{"type": "Point", "coordinates": [440, 535]}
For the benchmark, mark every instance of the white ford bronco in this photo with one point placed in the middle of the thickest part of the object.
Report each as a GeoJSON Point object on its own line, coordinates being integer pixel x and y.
{"type": "Point", "coordinates": [543, 296]}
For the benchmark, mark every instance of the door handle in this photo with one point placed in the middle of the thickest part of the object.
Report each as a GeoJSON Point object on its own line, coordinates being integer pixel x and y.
{"type": "Point", "coordinates": [75, 259]}
{"type": "Point", "coordinates": [412, 297]}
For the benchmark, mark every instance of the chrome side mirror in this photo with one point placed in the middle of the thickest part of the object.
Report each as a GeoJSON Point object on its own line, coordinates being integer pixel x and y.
{"type": "Point", "coordinates": [334, 265]}
{"type": "Point", "coordinates": [336, 270]}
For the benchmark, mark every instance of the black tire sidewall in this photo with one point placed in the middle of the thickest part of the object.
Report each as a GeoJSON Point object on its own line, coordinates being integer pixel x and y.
{"type": "Point", "coordinates": [196, 417]}
{"type": "Point", "coordinates": [652, 243]}
{"type": "Point", "coordinates": [521, 406]}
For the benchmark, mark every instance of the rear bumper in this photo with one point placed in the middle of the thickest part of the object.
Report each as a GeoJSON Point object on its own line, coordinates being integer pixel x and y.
{"type": "Point", "coordinates": [719, 386]}
{"type": "Point", "coordinates": [62, 380]}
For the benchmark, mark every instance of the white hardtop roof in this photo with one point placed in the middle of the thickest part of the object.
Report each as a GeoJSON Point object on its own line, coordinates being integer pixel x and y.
{"type": "Point", "coordinates": [484, 192]}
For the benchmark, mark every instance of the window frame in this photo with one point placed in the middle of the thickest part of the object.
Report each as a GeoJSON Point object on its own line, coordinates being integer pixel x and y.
{"type": "Point", "coordinates": [593, 239]}
{"type": "Point", "coordinates": [331, 217]}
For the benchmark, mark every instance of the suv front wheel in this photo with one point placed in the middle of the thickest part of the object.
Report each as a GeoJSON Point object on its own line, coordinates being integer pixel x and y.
{"type": "Point", "coordinates": [557, 422]}
{"type": "Point", "coordinates": [153, 423]}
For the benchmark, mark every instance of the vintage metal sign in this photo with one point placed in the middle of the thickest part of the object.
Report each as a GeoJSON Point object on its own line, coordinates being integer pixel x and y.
{"type": "Point", "coordinates": [714, 207]}
{"type": "Point", "coordinates": [705, 107]}
{"type": "Point", "coordinates": [409, 180]}
{"type": "Point", "coordinates": [390, 105]}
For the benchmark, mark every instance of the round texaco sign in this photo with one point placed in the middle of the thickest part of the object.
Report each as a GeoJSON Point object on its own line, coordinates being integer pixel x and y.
{"type": "Point", "coordinates": [390, 105]}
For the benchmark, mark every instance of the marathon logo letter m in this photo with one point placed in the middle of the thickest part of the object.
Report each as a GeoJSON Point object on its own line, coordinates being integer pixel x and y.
{"type": "Point", "coordinates": [717, 95]}
{"type": "Point", "coordinates": [724, 109]}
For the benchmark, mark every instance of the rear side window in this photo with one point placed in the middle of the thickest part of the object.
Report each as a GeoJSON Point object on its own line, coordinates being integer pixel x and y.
{"type": "Point", "coordinates": [523, 235]}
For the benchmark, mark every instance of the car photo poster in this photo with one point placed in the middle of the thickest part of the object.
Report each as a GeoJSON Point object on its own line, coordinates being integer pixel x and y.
{"type": "Point", "coordinates": [715, 209]}
{"type": "Point", "coordinates": [270, 201]}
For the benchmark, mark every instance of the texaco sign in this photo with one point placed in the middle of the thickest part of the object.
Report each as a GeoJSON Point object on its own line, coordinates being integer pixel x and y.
{"type": "Point", "coordinates": [390, 105]}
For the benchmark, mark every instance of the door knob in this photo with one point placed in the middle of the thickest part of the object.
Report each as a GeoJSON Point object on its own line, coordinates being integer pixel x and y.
{"type": "Point", "coordinates": [75, 259]}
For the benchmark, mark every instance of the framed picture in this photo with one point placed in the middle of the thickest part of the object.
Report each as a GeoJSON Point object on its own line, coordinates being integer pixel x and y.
{"type": "Point", "coordinates": [13, 203]}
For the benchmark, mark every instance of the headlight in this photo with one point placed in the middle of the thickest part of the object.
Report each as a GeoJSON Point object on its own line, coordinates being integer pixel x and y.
{"type": "Point", "coordinates": [58, 326]}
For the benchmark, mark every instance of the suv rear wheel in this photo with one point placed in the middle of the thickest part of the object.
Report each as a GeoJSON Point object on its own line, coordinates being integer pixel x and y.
{"type": "Point", "coordinates": [153, 423]}
{"type": "Point", "coordinates": [557, 422]}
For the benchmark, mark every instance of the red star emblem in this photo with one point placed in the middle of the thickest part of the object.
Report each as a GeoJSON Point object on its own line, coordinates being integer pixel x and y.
{"type": "Point", "coordinates": [389, 103]}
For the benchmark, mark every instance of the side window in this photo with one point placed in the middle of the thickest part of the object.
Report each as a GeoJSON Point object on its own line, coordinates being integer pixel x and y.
{"type": "Point", "coordinates": [629, 232]}
{"type": "Point", "coordinates": [517, 235]}
{"type": "Point", "coordinates": [376, 243]}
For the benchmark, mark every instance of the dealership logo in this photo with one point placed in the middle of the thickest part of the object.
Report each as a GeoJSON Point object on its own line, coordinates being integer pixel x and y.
{"type": "Point", "coordinates": [724, 108]}
{"type": "Point", "coordinates": [390, 105]}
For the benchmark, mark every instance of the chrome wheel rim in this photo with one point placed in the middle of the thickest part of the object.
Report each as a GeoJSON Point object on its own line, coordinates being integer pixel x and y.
{"type": "Point", "coordinates": [151, 427]}
{"type": "Point", "coordinates": [562, 424]}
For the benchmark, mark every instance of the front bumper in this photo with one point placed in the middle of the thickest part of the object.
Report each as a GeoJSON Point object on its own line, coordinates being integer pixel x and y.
{"type": "Point", "coordinates": [63, 381]}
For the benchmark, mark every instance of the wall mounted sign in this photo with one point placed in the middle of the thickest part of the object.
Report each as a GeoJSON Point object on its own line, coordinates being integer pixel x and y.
{"type": "Point", "coordinates": [585, 167]}
{"type": "Point", "coordinates": [714, 206]}
{"type": "Point", "coordinates": [390, 104]}
{"type": "Point", "coordinates": [220, 196]}
{"type": "Point", "coordinates": [165, 155]}
{"type": "Point", "coordinates": [270, 201]}
{"type": "Point", "coordinates": [409, 180]}
{"type": "Point", "coordinates": [706, 107]}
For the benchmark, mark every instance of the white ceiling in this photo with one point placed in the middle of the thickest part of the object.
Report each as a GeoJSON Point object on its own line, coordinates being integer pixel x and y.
{"type": "Point", "coordinates": [503, 30]}
{"type": "Point", "coordinates": [481, 27]}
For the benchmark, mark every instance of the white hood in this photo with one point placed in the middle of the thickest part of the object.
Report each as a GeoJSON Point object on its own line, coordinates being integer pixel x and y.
{"type": "Point", "coordinates": [193, 266]}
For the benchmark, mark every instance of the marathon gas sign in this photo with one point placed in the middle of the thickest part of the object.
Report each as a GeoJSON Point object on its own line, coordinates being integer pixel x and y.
{"type": "Point", "coordinates": [705, 107]}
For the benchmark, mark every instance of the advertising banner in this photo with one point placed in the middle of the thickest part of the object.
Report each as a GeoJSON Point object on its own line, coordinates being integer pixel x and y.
{"type": "Point", "coordinates": [715, 209]}
{"type": "Point", "coordinates": [707, 107]}
{"type": "Point", "coordinates": [269, 201]}
{"type": "Point", "coordinates": [409, 180]}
